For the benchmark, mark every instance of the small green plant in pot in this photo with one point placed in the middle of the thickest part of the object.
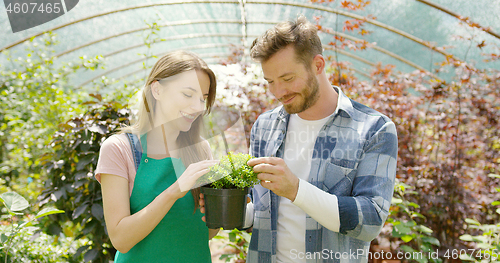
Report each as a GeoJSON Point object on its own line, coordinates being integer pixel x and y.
{"type": "Point", "coordinates": [225, 199]}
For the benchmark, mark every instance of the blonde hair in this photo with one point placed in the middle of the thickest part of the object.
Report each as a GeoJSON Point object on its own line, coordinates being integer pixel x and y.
{"type": "Point", "coordinates": [302, 34]}
{"type": "Point", "coordinates": [171, 64]}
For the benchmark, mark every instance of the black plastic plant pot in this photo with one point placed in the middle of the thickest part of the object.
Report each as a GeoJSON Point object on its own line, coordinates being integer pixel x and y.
{"type": "Point", "coordinates": [225, 208]}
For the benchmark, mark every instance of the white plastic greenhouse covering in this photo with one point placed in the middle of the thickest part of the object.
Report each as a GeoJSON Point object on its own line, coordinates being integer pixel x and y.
{"type": "Point", "coordinates": [404, 33]}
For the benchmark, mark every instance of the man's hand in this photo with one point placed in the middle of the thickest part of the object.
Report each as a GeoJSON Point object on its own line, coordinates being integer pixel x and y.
{"type": "Point", "coordinates": [276, 176]}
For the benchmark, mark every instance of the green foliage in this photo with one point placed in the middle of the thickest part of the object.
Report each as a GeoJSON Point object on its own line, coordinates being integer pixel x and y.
{"type": "Point", "coordinates": [71, 184]}
{"type": "Point", "coordinates": [488, 241]}
{"type": "Point", "coordinates": [235, 172]}
{"type": "Point", "coordinates": [405, 227]}
{"type": "Point", "coordinates": [35, 97]}
{"type": "Point", "coordinates": [38, 247]}
{"type": "Point", "coordinates": [19, 229]}
{"type": "Point", "coordinates": [238, 240]}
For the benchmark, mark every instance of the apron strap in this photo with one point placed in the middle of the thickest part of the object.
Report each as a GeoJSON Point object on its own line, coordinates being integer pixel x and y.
{"type": "Point", "coordinates": [132, 138]}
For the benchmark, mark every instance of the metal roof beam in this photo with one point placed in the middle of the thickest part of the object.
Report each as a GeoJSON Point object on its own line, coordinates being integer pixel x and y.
{"type": "Point", "coordinates": [309, 6]}
{"type": "Point", "coordinates": [140, 60]}
{"type": "Point", "coordinates": [186, 22]}
{"type": "Point", "coordinates": [459, 17]}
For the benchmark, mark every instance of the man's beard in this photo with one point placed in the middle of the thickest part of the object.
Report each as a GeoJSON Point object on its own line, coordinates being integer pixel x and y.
{"type": "Point", "coordinates": [309, 95]}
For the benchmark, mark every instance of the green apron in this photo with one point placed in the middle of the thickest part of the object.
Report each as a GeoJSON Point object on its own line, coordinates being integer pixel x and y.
{"type": "Point", "coordinates": [181, 236]}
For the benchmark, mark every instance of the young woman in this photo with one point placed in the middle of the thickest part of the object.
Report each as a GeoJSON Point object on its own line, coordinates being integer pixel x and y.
{"type": "Point", "coordinates": [149, 214]}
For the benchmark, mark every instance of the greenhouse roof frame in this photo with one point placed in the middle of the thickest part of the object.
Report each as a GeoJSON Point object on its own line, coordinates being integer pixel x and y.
{"type": "Point", "coordinates": [246, 22]}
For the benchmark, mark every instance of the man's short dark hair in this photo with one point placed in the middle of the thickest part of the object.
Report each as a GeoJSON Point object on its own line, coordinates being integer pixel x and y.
{"type": "Point", "coordinates": [302, 34]}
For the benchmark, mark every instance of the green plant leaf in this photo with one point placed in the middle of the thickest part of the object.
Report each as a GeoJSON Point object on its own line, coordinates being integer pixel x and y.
{"type": "Point", "coordinates": [79, 210]}
{"type": "Point", "coordinates": [494, 175]}
{"type": "Point", "coordinates": [424, 229]}
{"type": "Point", "coordinates": [472, 221]}
{"type": "Point", "coordinates": [406, 248]}
{"type": "Point", "coordinates": [79, 251]}
{"type": "Point", "coordinates": [396, 201]}
{"type": "Point", "coordinates": [431, 240]}
{"type": "Point", "coordinates": [412, 204]}
{"type": "Point", "coordinates": [14, 202]}
{"type": "Point", "coordinates": [466, 257]}
{"type": "Point", "coordinates": [417, 215]}
{"type": "Point", "coordinates": [3, 237]}
{"type": "Point", "coordinates": [407, 238]}
{"type": "Point", "coordinates": [97, 211]}
{"type": "Point", "coordinates": [91, 255]}
{"type": "Point", "coordinates": [402, 229]}
{"type": "Point", "coordinates": [483, 242]}
{"type": "Point", "coordinates": [48, 211]}
{"type": "Point", "coordinates": [496, 203]}
{"type": "Point", "coordinates": [232, 237]}
{"type": "Point", "coordinates": [409, 224]}
{"type": "Point", "coordinates": [421, 259]}
{"type": "Point", "coordinates": [84, 161]}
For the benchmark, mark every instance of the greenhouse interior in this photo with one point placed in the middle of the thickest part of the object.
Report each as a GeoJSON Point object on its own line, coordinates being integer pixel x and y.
{"type": "Point", "coordinates": [73, 72]}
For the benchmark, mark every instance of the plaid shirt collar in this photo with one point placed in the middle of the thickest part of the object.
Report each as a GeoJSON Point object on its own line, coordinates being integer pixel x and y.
{"type": "Point", "coordinates": [343, 104]}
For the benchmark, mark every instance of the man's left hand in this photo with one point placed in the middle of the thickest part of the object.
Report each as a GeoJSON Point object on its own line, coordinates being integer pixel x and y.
{"type": "Point", "coordinates": [276, 176]}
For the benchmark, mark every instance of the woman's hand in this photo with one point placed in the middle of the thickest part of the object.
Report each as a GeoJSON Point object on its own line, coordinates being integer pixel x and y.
{"type": "Point", "coordinates": [194, 171]}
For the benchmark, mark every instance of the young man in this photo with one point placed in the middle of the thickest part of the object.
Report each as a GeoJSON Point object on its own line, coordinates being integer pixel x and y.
{"type": "Point", "coordinates": [327, 163]}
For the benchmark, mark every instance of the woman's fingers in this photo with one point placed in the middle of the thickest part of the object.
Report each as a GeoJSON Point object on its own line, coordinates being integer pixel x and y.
{"type": "Point", "coordinates": [200, 173]}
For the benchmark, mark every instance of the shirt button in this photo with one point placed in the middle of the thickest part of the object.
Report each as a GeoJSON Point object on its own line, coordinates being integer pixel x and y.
{"type": "Point", "coordinates": [146, 160]}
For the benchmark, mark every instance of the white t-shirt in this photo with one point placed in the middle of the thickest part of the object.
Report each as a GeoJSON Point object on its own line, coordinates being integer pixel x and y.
{"type": "Point", "coordinates": [299, 145]}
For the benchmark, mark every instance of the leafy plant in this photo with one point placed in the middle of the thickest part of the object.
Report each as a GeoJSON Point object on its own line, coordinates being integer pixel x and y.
{"type": "Point", "coordinates": [14, 203]}
{"type": "Point", "coordinates": [237, 241]}
{"type": "Point", "coordinates": [35, 96]}
{"type": "Point", "coordinates": [418, 236]}
{"type": "Point", "coordinates": [72, 186]}
{"type": "Point", "coordinates": [235, 172]}
{"type": "Point", "coordinates": [33, 245]}
{"type": "Point", "coordinates": [488, 241]}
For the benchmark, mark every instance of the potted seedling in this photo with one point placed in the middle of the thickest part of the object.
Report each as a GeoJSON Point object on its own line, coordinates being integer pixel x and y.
{"type": "Point", "coordinates": [225, 199]}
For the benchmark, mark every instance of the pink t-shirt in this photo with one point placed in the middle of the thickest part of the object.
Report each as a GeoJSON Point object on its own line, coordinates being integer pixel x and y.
{"type": "Point", "coordinates": [115, 157]}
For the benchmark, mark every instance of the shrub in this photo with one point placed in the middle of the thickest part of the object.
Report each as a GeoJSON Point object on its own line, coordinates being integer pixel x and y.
{"type": "Point", "coordinates": [72, 186]}
{"type": "Point", "coordinates": [17, 234]}
{"type": "Point", "coordinates": [487, 242]}
{"type": "Point", "coordinates": [235, 172]}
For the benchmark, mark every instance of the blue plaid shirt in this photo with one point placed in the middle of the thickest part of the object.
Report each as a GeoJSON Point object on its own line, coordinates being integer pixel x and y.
{"type": "Point", "coordinates": [354, 158]}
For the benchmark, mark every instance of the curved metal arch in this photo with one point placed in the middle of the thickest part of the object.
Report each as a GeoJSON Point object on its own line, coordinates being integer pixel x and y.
{"type": "Point", "coordinates": [387, 52]}
{"type": "Point", "coordinates": [309, 6]}
{"type": "Point", "coordinates": [360, 72]}
{"type": "Point", "coordinates": [377, 48]}
{"type": "Point", "coordinates": [141, 60]}
{"type": "Point", "coordinates": [456, 15]}
{"type": "Point", "coordinates": [116, 11]}
{"type": "Point", "coordinates": [177, 23]}
{"type": "Point", "coordinates": [201, 35]}
{"type": "Point", "coordinates": [205, 55]}
{"type": "Point", "coordinates": [345, 53]}
{"type": "Point", "coordinates": [142, 69]}
{"type": "Point", "coordinates": [186, 22]}
{"type": "Point", "coordinates": [178, 37]}
{"type": "Point", "coordinates": [367, 20]}
{"type": "Point", "coordinates": [211, 56]}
